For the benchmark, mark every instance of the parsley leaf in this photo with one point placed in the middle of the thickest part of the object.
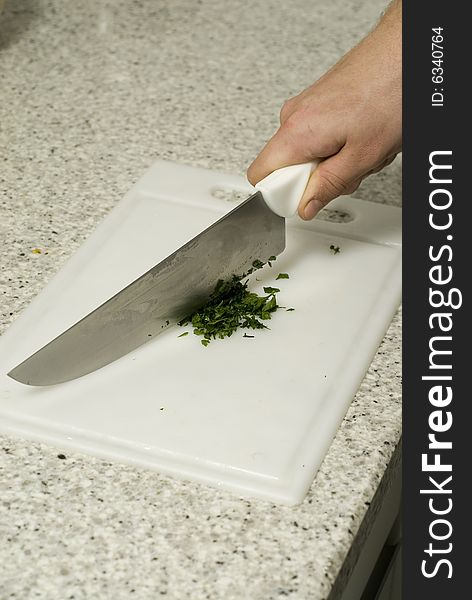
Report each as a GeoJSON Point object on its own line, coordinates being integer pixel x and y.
{"type": "Point", "coordinates": [231, 306]}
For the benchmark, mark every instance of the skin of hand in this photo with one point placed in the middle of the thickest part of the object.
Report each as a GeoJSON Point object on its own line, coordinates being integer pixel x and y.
{"type": "Point", "coordinates": [351, 117]}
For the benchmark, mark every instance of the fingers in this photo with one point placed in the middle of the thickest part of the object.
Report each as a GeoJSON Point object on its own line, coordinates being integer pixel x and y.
{"type": "Point", "coordinates": [288, 108]}
{"type": "Point", "coordinates": [351, 117]}
{"type": "Point", "coordinates": [280, 151]}
{"type": "Point", "coordinates": [387, 162]}
{"type": "Point", "coordinates": [338, 175]}
{"type": "Point", "coordinates": [299, 140]}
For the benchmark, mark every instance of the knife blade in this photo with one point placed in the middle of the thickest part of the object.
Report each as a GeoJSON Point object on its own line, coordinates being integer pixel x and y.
{"type": "Point", "coordinates": [169, 291]}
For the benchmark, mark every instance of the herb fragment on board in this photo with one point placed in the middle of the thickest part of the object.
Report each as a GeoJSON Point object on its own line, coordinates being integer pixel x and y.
{"type": "Point", "coordinates": [335, 249]}
{"type": "Point", "coordinates": [231, 306]}
{"type": "Point", "coordinates": [182, 334]}
{"type": "Point", "coordinates": [282, 276]}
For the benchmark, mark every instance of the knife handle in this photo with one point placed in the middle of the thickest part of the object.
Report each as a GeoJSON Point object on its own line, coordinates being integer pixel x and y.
{"type": "Point", "coordinates": [283, 189]}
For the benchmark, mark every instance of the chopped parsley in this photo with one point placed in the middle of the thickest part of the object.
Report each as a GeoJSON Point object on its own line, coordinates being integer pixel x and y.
{"type": "Point", "coordinates": [257, 264]}
{"type": "Point", "coordinates": [335, 249]}
{"type": "Point", "coordinates": [282, 276]}
{"type": "Point", "coordinates": [232, 306]}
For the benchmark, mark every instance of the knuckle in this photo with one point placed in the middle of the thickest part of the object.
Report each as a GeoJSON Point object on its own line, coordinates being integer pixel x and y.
{"type": "Point", "coordinates": [286, 110]}
{"type": "Point", "coordinates": [292, 122]}
{"type": "Point", "coordinates": [352, 187]}
{"type": "Point", "coordinates": [371, 153]}
{"type": "Point", "coordinates": [390, 160]}
{"type": "Point", "coordinates": [366, 157]}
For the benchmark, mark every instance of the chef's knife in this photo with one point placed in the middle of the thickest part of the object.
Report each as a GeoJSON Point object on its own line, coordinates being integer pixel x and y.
{"type": "Point", "coordinates": [173, 288]}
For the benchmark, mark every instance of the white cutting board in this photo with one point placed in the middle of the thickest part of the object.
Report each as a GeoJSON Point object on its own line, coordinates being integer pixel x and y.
{"type": "Point", "coordinates": [255, 416]}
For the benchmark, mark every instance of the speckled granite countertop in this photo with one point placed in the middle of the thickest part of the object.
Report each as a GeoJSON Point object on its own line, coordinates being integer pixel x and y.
{"type": "Point", "coordinates": [91, 93]}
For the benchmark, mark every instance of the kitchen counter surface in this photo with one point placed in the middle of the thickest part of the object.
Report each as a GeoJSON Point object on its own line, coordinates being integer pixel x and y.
{"type": "Point", "coordinates": [91, 93]}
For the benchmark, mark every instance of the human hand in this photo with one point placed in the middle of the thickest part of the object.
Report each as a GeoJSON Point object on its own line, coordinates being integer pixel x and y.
{"type": "Point", "coordinates": [351, 117]}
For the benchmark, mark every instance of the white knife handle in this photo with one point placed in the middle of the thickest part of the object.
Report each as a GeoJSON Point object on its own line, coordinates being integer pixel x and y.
{"type": "Point", "coordinates": [283, 189]}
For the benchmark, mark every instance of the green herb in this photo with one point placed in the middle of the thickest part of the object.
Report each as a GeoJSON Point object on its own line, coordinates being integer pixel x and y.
{"type": "Point", "coordinates": [257, 264]}
{"type": "Point", "coordinates": [282, 276]}
{"type": "Point", "coordinates": [335, 249]}
{"type": "Point", "coordinates": [231, 306]}
{"type": "Point", "coordinates": [248, 336]}
{"type": "Point", "coordinates": [289, 309]}
{"type": "Point", "coordinates": [182, 334]}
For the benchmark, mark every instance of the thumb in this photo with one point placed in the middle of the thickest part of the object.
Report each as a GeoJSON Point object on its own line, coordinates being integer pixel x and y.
{"type": "Point", "coordinates": [337, 175]}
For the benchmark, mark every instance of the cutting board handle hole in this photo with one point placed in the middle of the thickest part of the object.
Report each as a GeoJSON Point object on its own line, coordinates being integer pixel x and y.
{"type": "Point", "coordinates": [334, 216]}
{"type": "Point", "coordinates": [233, 196]}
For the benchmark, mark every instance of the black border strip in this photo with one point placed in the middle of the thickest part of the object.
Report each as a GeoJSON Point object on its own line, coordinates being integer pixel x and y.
{"type": "Point", "coordinates": [436, 210]}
